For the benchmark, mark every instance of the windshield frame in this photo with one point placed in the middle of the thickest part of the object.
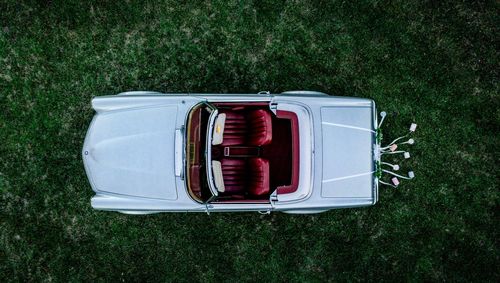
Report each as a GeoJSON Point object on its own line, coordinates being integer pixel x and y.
{"type": "Point", "coordinates": [204, 182]}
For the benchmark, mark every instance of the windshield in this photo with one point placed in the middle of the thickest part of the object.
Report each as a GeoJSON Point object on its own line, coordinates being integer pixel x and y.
{"type": "Point", "coordinates": [195, 152]}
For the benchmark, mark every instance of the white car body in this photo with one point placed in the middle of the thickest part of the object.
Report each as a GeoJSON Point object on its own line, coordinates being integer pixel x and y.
{"type": "Point", "coordinates": [135, 153]}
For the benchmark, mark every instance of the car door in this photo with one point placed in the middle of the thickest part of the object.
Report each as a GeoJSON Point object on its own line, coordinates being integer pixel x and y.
{"type": "Point", "coordinates": [238, 207]}
{"type": "Point", "coordinates": [234, 97]}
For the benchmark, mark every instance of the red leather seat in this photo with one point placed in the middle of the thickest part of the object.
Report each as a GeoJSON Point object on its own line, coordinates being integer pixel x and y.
{"type": "Point", "coordinates": [235, 129]}
{"type": "Point", "coordinates": [260, 127]}
{"type": "Point", "coordinates": [246, 175]}
{"type": "Point", "coordinates": [234, 174]}
{"type": "Point", "coordinates": [258, 181]}
{"type": "Point", "coordinates": [252, 128]}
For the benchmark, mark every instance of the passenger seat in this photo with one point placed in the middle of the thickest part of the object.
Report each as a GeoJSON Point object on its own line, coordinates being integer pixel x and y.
{"type": "Point", "coordinates": [246, 175]}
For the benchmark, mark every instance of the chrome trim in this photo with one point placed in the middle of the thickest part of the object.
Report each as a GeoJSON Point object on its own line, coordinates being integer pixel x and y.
{"type": "Point", "coordinates": [303, 93]}
{"type": "Point", "coordinates": [208, 151]}
{"type": "Point", "coordinates": [178, 152]}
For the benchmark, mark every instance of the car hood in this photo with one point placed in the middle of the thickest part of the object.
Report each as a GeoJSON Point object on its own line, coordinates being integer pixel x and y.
{"type": "Point", "coordinates": [131, 152]}
{"type": "Point", "coordinates": [348, 140]}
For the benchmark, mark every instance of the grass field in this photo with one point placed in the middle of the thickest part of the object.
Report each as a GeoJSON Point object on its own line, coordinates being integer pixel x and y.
{"type": "Point", "coordinates": [433, 62]}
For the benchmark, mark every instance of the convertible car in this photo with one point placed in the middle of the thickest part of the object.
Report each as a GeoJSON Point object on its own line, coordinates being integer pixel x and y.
{"type": "Point", "coordinates": [295, 152]}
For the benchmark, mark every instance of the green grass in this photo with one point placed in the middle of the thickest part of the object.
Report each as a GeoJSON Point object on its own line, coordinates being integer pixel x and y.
{"type": "Point", "coordinates": [433, 62]}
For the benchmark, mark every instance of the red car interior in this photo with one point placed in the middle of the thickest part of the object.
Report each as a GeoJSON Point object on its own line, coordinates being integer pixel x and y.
{"type": "Point", "coordinates": [259, 152]}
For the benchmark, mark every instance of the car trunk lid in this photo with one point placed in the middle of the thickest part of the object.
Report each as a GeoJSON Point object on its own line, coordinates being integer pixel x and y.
{"type": "Point", "coordinates": [348, 139]}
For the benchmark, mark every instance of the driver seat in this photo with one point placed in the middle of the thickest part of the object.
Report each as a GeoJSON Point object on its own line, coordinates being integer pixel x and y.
{"type": "Point", "coordinates": [253, 128]}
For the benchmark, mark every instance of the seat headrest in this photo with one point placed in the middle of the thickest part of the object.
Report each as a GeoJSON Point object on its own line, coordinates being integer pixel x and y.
{"type": "Point", "coordinates": [218, 130]}
{"type": "Point", "coordinates": [218, 177]}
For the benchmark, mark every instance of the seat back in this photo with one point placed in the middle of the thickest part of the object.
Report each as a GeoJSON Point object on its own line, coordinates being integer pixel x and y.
{"type": "Point", "coordinates": [235, 129]}
{"type": "Point", "coordinates": [246, 176]}
{"type": "Point", "coordinates": [254, 128]}
{"type": "Point", "coordinates": [258, 177]}
{"type": "Point", "coordinates": [259, 127]}
{"type": "Point", "coordinates": [234, 173]}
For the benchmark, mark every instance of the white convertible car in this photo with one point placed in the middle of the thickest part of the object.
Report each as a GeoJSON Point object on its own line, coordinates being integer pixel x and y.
{"type": "Point", "coordinates": [296, 152]}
